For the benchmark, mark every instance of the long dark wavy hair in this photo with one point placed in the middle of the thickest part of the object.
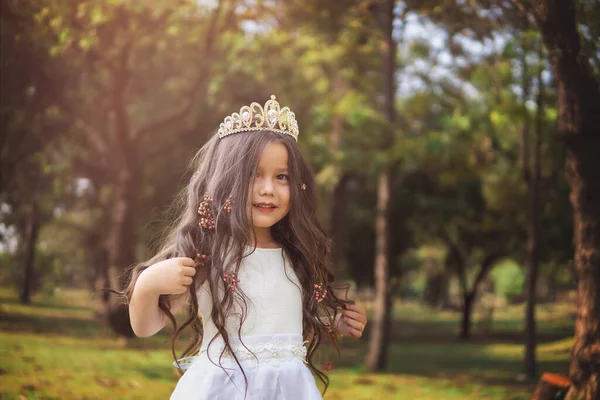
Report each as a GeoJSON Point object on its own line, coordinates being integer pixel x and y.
{"type": "Point", "coordinates": [224, 168]}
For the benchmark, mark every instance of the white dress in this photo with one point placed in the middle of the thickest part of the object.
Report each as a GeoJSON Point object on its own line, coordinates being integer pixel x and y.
{"type": "Point", "coordinates": [273, 352]}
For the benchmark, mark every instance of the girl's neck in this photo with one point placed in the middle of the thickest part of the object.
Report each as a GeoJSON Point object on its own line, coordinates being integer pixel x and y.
{"type": "Point", "coordinates": [262, 238]}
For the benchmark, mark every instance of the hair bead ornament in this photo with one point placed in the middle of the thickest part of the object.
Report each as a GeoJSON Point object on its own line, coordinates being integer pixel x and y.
{"type": "Point", "coordinates": [207, 215]}
{"type": "Point", "coordinates": [303, 187]}
{"type": "Point", "coordinates": [328, 366]}
{"type": "Point", "coordinates": [329, 327]}
{"type": "Point", "coordinates": [202, 260]}
{"type": "Point", "coordinates": [228, 205]}
{"type": "Point", "coordinates": [320, 293]}
{"type": "Point", "coordinates": [231, 281]}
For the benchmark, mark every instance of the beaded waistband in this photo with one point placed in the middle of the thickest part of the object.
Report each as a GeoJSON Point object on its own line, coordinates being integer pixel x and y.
{"type": "Point", "coordinates": [252, 350]}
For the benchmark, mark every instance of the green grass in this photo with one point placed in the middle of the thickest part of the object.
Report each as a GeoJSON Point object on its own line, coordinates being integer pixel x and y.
{"type": "Point", "coordinates": [55, 349]}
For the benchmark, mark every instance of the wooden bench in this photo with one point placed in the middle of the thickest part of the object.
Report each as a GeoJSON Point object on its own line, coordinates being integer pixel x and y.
{"type": "Point", "coordinates": [551, 387]}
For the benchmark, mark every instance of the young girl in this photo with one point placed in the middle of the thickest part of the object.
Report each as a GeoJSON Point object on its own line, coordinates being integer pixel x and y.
{"type": "Point", "coordinates": [249, 263]}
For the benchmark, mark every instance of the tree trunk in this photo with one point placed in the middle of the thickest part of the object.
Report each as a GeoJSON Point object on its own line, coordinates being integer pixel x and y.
{"type": "Point", "coordinates": [121, 236]}
{"type": "Point", "coordinates": [120, 246]}
{"type": "Point", "coordinates": [379, 339]}
{"type": "Point", "coordinates": [99, 262]}
{"type": "Point", "coordinates": [551, 282]}
{"type": "Point", "coordinates": [435, 294]}
{"type": "Point", "coordinates": [100, 282]}
{"type": "Point", "coordinates": [533, 244]}
{"type": "Point", "coordinates": [377, 356]}
{"type": "Point", "coordinates": [337, 198]}
{"type": "Point", "coordinates": [465, 324]}
{"type": "Point", "coordinates": [32, 231]}
{"type": "Point", "coordinates": [338, 89]}
{"type": "Point", "coordinates": [338, 224]}
{"type": "Point", "coordinates": [455, 260]}
{"type": "Point", "coordinates": [578, 122]}
{"type": "Point", "coordinates": [469, 296]}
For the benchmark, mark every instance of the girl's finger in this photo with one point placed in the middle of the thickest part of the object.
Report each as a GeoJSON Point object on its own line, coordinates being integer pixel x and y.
{"type": "Point", "coordinates": [354, 332]}
{"type": "Point", "coordinates": [186, 261]}
{"type": "Point", "coordinates": [355, 315]}
{"type": "Point", "coordinates": [353, 323]}
{"type": "Point", "coordinates": [357, 308]}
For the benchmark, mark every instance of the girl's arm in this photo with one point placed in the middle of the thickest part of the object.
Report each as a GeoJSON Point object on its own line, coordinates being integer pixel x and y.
{"type": "Point", "coordinates": [145, 316]}
{"type": "Point", "coordinates": [179, 302]}
{"type": "Point", "coordinates": [154, 320]}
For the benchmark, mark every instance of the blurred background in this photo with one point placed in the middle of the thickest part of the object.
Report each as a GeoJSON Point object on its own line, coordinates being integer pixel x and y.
{"type": "Point", "coordinates": [453, 146]}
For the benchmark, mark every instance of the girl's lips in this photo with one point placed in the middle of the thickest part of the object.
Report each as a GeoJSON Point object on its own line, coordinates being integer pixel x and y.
{"type": "Point", "coordinates": [264, 209]}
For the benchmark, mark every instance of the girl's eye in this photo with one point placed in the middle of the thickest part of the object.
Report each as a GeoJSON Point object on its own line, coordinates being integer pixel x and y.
{"type": "Point", "coordinates": [283, 177]}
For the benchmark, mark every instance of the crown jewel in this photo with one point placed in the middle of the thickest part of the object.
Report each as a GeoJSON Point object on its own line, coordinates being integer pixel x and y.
{"type": "Point", "coordinates": [256, 118]}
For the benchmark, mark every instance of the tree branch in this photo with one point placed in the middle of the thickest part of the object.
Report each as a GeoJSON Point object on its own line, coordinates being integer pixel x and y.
{"type": "Point", "coordinates": [455, 259]}
{"type": "Point", "coordinates": [81, 229]}
{"type": "Point", "coordinates": [96, 170]}
{"type": "Point", "coordinates": [200, 81]}
{"type": "Point", "coordinates": [486, 266]}
{"type": "Point", "coordinates": [92, 135]}
{"type": "Point", "coordinates": [174, 116]}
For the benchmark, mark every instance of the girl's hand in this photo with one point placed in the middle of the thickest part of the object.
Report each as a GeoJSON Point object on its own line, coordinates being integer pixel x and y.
{"type": "Point", "coordinates": [171, 276]}
{"type": "Point", "coordinates": [353, 321]}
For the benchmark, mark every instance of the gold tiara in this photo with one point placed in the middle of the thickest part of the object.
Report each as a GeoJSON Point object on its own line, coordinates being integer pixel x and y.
{"type": "Point", "coordinates": [256, 118]}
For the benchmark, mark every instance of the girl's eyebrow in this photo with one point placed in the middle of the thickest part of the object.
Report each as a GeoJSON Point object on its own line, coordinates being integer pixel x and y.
{"type": "Point", "coordinates": [280, 169]}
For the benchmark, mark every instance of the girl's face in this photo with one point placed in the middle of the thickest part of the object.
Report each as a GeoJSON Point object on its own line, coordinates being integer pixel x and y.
{"type": "Point", "coordinates": [269, 199]}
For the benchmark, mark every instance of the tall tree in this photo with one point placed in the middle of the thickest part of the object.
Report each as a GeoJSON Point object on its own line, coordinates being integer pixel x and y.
{"type": "Point", "coordinates": [378, 343]}
{"type": "Point", "coordinates": [343, 97]}
{"type": "Point", "coordinates": [578, 122]}
{"type": "Point", "coordinates": [531, 171]}
{"type": "Point", "coordinates": [122, 50]}
{"type": "Point", "coordinates": [29, 129]}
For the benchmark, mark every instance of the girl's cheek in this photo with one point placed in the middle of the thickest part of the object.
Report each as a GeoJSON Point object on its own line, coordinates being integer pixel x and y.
{"type": "Point", "coordinates": [287, 194]}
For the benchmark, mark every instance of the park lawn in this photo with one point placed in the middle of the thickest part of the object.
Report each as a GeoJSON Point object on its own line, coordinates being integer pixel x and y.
{"type": "Point", "coordinates": [54, 349]}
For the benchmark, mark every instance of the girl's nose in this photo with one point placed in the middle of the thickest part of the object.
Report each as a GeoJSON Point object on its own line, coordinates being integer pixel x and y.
{"type": "Point", "coordinates": [266, 187]}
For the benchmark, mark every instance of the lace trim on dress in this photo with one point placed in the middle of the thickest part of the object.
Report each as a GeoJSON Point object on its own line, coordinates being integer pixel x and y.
{"type": "Point", "coordinates": [272, 352]}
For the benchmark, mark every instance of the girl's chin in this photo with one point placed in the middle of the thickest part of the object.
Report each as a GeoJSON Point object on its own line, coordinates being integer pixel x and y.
{"type": "Point", "coordinates": [262, 222]}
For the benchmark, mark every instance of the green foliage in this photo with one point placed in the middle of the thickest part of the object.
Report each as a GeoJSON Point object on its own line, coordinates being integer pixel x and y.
{"type": "Point", "coordinates": [509, 279]}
